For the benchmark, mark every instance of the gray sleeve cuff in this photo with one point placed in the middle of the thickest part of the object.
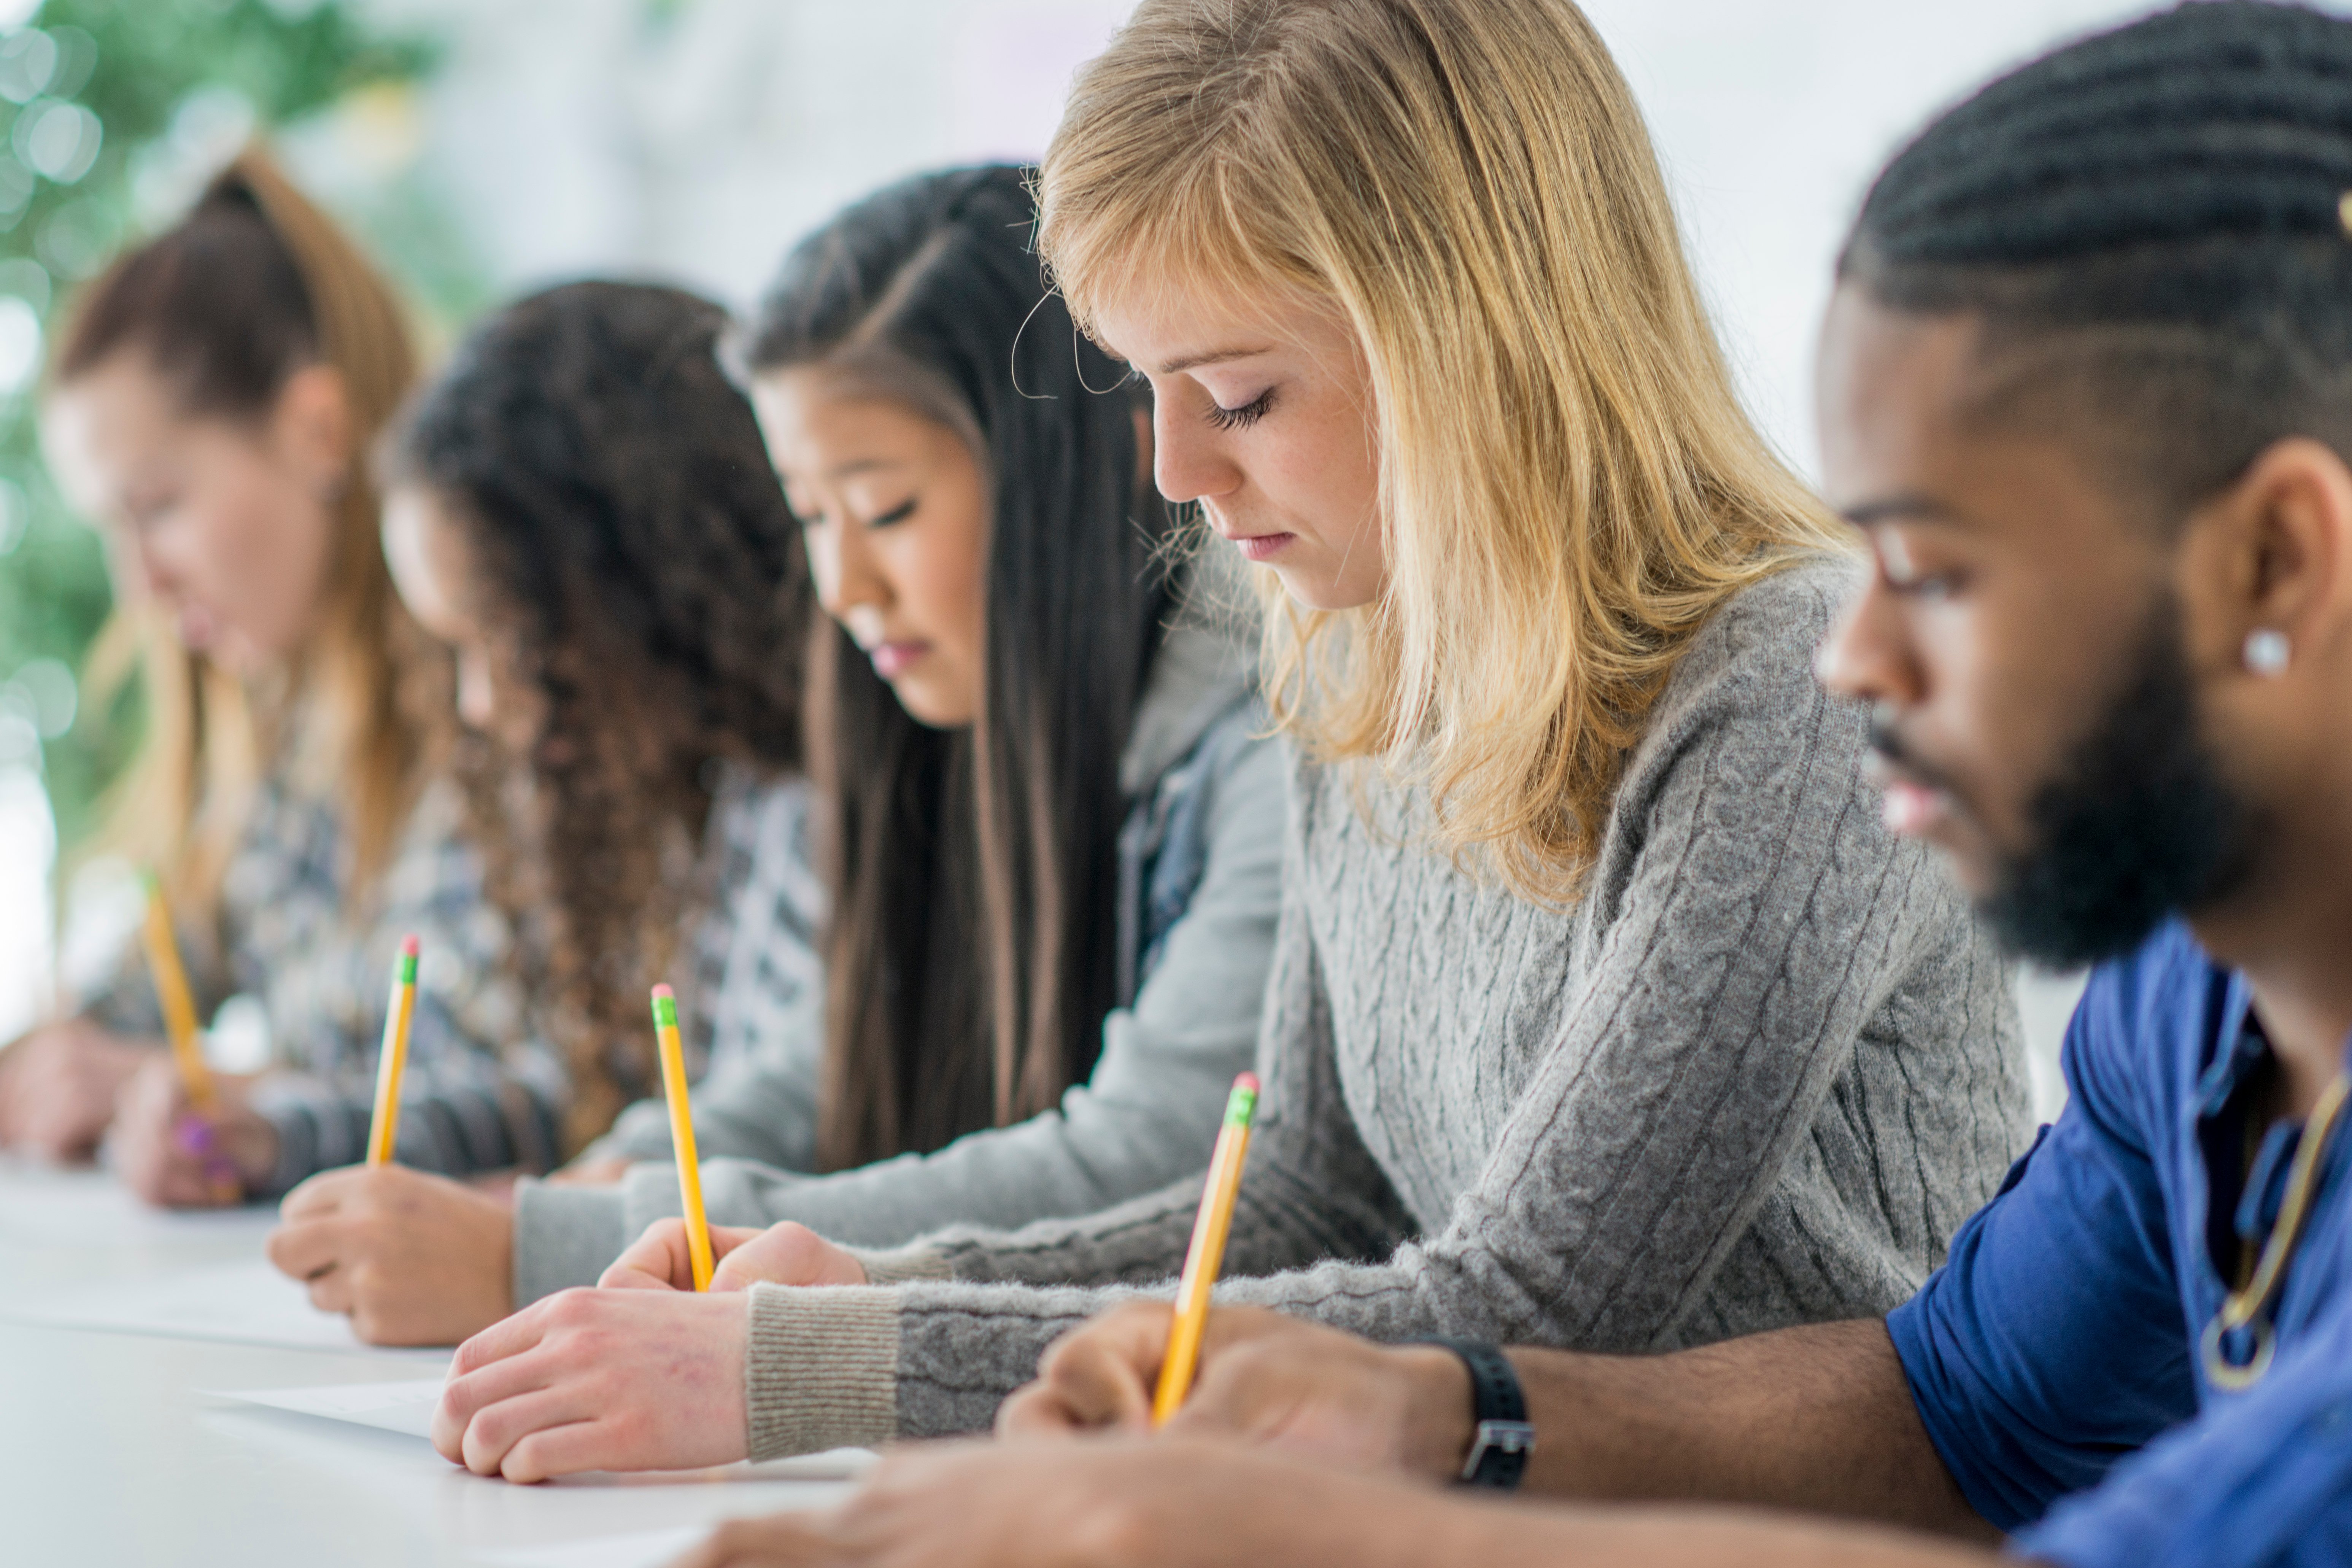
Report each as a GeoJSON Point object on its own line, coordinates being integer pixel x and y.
{"type": "Point", "coordinates": [822, 1369]}
{"type": "Point", "coordinates": [898, 1265]}
{"type": "Point", "coordinates": [564, 1237]}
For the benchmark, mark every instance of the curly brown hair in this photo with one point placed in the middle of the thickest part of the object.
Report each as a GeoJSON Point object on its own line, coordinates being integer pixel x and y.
{"type": "Point", "coordinates": [628, 545]}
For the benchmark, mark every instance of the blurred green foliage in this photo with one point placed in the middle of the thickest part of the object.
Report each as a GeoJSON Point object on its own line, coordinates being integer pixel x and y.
{"type": "Point", "coordinates": [143, 68]}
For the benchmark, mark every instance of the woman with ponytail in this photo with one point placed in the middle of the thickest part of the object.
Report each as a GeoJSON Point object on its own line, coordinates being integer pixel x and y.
{"type": "Point", "coordinates": [210, 405]}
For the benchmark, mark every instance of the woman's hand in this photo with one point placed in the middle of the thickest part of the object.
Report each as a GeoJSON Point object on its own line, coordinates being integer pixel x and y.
{"type": "Point", "coordinates": [415, 1259]}
{"type": "Point", "coordinates": [1264, 1377]}
{"type": "Point", "coordinates": [786, 1254]}
{"type": "Point", "coordinates": [172, 1155]}
{"type": "Point", "coordinates": [58, 1086]}
{"type": "Point", "coordinates": [1125, 1504]}
{"type": "Point", "coordinates": [601, 1172]}
{"type": "Point", "coordinates": [600, 1380]}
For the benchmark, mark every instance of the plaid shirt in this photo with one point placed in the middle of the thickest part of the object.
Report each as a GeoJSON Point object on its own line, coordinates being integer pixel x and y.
{"type": "Point", "coordinates": [757, 976]}
{"type": "Point", "coordinates": [757, 986]}
{"type": "Point", "coordinates": [468, 1102]}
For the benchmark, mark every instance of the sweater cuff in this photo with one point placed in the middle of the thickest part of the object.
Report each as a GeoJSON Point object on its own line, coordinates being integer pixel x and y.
{"type": "Point", "coordinates": [298, 1150]}
{"type": "Point", "coordinates": [900, 1265]}
{"type": "Point", "coordinates": [822, 1371]}
{"type": "Point", "coordinates": [563, 1236]}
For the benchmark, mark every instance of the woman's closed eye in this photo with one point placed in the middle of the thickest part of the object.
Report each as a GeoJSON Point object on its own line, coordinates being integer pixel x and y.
{"type": "Point", "coordinates": [1242, 418]}
{"type": "Point", "coordinates": [899, 513]}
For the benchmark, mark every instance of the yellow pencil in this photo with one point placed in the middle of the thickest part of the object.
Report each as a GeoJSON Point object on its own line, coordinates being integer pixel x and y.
{"type": "Point", "coordinates": [1207, 1257]}
{"type": "Point", "coordinates": [681, 1133]}
{"type": "Point", "coordinates": [392, 1058]}
{"type": "Point", "coordinates": [179, 1007]}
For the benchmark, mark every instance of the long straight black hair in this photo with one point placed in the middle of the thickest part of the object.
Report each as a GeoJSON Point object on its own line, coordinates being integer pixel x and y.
{"type": "Point", "coordinates": [972, 953]}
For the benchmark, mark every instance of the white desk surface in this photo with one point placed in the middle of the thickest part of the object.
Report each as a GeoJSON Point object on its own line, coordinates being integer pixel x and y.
{"type": "Point", "coordinates": [110, 1453]}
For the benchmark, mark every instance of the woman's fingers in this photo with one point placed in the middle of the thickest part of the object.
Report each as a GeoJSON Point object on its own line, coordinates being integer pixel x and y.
{"type": "Point", "coordinates": [661, 1259]}
{"type": "Point", "coordinates": [657, 1377]}
{"type": "Point", "coordinates": [503, 1437]}
{"type": "Point", "coordinates": [304, 1250]}
{"type": "Point", "coordinates": [787, 1254]}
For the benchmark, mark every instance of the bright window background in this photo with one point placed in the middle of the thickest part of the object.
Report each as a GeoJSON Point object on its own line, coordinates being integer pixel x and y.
{"type": "Point", "coordinates": [694, 139]}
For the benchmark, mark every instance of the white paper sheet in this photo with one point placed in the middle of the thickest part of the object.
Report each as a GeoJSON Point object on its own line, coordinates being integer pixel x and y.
{"type": "Point", "coordinates": [243, 1303]}
{"type": "Point", "coordinates": [642, 1549]}
{"type": "Point", "coordinates": [91, 1211]}
{"type": "Point", "coordinates": [406, 1407]}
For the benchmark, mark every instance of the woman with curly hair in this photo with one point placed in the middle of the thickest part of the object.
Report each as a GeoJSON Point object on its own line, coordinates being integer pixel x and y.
{"type": "Point", "coordinates": [1044, 819]}
{"type": "Point", "coordinates": [581, 509]}
{"type": "Point", "coordinates": [210, 405]}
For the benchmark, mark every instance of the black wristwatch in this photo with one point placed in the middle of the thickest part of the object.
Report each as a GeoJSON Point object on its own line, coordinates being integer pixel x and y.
{"type": "Point", "coordinates": [1501, 1438]}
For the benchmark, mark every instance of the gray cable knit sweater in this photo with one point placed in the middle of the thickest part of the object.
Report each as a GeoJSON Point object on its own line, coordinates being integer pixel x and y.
{"type": "Point", "coordinates": [1756, 1076]}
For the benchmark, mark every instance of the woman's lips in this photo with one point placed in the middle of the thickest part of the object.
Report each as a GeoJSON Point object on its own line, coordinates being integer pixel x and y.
{"type": "Point", "coordinates": [1263, 546]}
{"type": "Point", "coordinates": [891, 659]}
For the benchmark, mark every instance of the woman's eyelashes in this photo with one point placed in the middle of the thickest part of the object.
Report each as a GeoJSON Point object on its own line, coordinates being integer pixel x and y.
{"type": "Point", "coordinates": [816, 518]}
{"type": "Point", "coordinates": [1241, 418]}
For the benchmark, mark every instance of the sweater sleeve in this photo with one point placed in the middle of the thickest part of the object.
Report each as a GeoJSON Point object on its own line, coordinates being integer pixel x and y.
{"type": "Point", "coordinates": [760, 1107]}
{"type": "Point", "coordinates": [482, 1092]}
{"type": "Point", "coordinates": [974, 1307]}
{"type": "Point", "coordinates": [1761, 918]}
{"type": "Point", "coordinates": [468, 1103]}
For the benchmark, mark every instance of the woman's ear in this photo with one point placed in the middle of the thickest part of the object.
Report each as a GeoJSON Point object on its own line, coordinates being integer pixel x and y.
{"type": "Point", "coordinates": [310, 428]}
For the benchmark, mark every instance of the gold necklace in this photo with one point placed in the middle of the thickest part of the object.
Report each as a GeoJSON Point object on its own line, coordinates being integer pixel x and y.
{"type": "Point", "coordinates": [2249, 1306]}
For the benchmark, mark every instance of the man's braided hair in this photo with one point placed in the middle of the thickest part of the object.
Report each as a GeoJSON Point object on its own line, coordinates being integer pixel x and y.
{"type": "Point", "coordinates": [2155, 219]}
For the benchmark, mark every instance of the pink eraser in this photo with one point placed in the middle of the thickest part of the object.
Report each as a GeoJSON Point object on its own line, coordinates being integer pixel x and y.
{"type": "Point", "coordinates": [1248, 1080]}
{"type": "Point", "coordinates": [408, 947]}
{"type": "Point", "coordinates": [665, 991]}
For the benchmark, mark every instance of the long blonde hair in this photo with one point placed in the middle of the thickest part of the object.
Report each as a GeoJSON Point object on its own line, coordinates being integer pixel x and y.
{"type": "Point", "coordinates": [1568, 483]}
{"type": "Point", "coordinates": [253, 284]}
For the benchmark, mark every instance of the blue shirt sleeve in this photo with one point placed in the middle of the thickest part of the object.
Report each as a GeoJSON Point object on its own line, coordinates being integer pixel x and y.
{"type": "Point", "coordinates": [2051, 1343]}
{"type": "Point", "coordinates": [2266, 1479]}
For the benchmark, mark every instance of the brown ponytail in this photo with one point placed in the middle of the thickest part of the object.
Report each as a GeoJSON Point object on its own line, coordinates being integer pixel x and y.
{"type": "Point", "coordinates": [252, 285]}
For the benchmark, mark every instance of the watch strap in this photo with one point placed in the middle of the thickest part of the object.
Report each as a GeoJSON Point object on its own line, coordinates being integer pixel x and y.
{"type": "Point", "coordinates": [1501, 1437]}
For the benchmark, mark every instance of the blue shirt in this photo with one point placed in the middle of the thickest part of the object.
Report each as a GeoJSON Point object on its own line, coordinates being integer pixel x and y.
{"type": "Point", "coordinates": [2053, 1359]}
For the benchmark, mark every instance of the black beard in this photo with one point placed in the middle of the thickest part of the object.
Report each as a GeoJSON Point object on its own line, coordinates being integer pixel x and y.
{"type": "Point", "coordinates": [2140, 822]}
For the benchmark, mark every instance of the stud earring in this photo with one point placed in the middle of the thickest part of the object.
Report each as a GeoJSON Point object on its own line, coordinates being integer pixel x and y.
{"type": "Point", "coordinates": [2267, 652]}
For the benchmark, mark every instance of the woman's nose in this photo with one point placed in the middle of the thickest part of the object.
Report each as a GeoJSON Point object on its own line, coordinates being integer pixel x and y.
{"type": "Point", "coordinates": [845, 570]}
{"type": "Point", "coordinates": [1186, 462]}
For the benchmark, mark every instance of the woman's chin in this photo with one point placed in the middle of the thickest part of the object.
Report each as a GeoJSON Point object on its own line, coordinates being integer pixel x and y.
{"type": "Point", "coordinates": [1319, 591]}
{"type": "Point", "coordinates": [927, 705]}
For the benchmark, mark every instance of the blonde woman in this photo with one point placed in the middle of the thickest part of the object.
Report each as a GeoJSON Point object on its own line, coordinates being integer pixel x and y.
{"type": "Point", "coordinates": [209, 406]}
{"type": "Point", "coordinates": [1603, 1012]}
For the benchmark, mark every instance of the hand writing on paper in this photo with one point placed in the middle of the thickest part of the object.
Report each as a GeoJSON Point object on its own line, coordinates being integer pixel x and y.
{"type": "Point", "coordinates": [416, 1259]}
{"type": "Point", "coordinates": [1127, 1504]}
{"type": "Point", "coordinates": [1264, 1377]}
{"type": "Point", "coordinates": [58, 1086]}
{"type": "Point", "coordinates": [784, 1254]}
{"type": "Point", "coordinates": [599, 1380]}
{"type": "Point", "coordinates": [171, 1156]}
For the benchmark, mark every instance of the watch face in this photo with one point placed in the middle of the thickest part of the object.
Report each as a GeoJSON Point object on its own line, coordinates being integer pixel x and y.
{"type": "Point", "coordinates": [1499, 1454]}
